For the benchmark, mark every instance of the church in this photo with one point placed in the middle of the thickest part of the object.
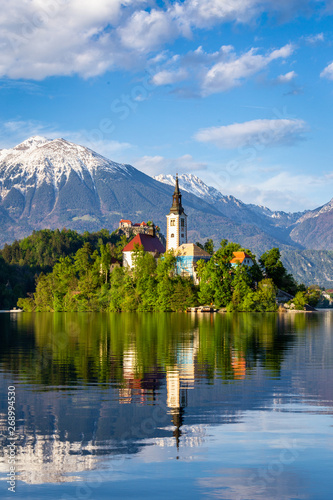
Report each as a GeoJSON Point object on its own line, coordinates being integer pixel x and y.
{"type": "Point", "coordinates": [187, 254]}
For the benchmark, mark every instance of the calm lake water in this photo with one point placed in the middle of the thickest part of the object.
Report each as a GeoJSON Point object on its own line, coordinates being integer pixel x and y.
{"type": "Point", "coordinates": [168, 406]}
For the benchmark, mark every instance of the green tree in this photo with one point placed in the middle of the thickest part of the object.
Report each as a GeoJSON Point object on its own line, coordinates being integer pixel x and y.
{"type": "Point", "coordinates": [241, 287]}
{"type": "Point", "coordinates": [274, 269]}
{"type": "Point", "coordinates": [313, 295]}
{"type": "Point", "coordinates": [209, 246]}
{"type": "Point", "coordinates": [299, 301]}
{"type": "Point", "coordinates": [266, 295]}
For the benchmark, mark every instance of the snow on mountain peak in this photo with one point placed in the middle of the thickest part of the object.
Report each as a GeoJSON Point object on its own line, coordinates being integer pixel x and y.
{"type": "Point", "coordinates": [192, 184]}
{"type": "Point", "coordinates": [328, 207]}
{"type": "Point", "coordinates": [32, 142]}
{"type": "Point", "coordinates": [39, 160]}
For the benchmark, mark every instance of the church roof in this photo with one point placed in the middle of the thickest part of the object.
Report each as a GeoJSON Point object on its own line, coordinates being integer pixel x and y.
{"type": "Point", "coordinates": [191, 250]}
{"type": "Point", "coordinates": [149, 243]}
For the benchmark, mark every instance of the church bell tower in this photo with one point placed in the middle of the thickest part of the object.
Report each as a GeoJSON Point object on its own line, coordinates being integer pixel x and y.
{"type": "Point", "coordinates": [176, 221]}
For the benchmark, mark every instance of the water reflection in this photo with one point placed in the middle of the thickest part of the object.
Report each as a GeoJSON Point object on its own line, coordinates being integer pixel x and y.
{"type": "Point", "coordinates": [92, 388]}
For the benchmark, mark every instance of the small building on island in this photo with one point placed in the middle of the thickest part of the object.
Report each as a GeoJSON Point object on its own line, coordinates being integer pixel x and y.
{"type": "Point", "coordinates": [150, 243]}
{"type": "Point", "coordinates": [187, 256]}
{"type": "Point", "coordinates": [241, 258]}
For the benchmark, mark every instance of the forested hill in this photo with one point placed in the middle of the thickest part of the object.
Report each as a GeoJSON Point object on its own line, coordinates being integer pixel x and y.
{"type": "Point", "coordinates": [22, 261]}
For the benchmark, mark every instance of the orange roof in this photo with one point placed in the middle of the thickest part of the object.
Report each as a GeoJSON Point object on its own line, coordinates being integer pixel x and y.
{"type": "Point", "coordinates": [239, 257]}
{"type": "Point", "coordinates": [125, 220]}
{"type": "Point", "coordinates": [140, 224]}
{"type": "Point", "coordinates": [149, 243]}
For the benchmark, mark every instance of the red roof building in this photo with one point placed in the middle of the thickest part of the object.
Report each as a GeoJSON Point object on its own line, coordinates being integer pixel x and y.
{"type": "Point", "coordinates": [149, 243]}
{"type": "Point", "coordinates": [125, 223]}
{"type": "Point", "coordinates": [241, 258]}
{"type": "Point", "coordinates": [142, 224]}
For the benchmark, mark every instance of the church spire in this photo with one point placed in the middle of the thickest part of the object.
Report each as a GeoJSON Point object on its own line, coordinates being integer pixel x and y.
{"type": "Point", "coordinates": [176, 220]}
{"type": "Point", "coordinates": [177, 200]}
{"type": "Point", "coordinates": [176, 186]}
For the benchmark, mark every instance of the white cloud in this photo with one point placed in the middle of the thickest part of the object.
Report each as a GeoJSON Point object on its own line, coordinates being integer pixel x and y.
{"type": "Point", "coordinates": [218, 71]}
{"type": "Point", "coordinates": [288, 77]}
{"type": "Point", "coordinates": [203, 13]}
{"type": "Point", "coordinates": [165, 77]}
{"type": "Point", "coordinates": [263, 132]}
{"type": "Point", "coordinates": [230, 73]}
{"type": "Point", "coordinates": [64, 37]}
{"type": "Point", "coordinates": [315, 39]}
{"type": "Point", "coordinates": [154, 165]}
{"type": "Point", "coordinates": [147, 30]}
{"type": "Point", "coordinates": [328, 72]}
{"type": "Point", "coordinates": [285, 191]}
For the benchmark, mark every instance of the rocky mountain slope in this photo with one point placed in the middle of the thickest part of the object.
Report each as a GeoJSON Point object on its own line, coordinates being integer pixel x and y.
{"type": "Point", "coordinates": [314, 230]}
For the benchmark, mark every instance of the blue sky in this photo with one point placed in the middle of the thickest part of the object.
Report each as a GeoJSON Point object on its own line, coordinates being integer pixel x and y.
{"type": "Point", "coordinates": [238, 92]}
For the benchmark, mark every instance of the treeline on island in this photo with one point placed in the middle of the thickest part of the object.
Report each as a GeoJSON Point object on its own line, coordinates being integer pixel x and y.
{"type": "Point", "coordinates": [23, 261]}
{"type": "Point", "coordinates": [68, 271]}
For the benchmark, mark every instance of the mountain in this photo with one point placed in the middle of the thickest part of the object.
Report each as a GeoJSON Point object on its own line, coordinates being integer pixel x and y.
{"type": "Point", "coordinates": [55, 183]}
{"type": "Point", "coordinates": [276, 224]}
{"type": "Point", "coordinates": [52, 184]}
{"type": "Point", "coordinates": [314, 229]}
{"type": "Point", "coordinates": [228, 204]}
{"type": "Point", "coordinates": [310, 266]}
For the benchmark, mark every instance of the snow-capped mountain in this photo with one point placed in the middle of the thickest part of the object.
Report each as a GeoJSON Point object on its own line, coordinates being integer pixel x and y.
{"type": "Point", "coordinates": [56, 183]}
{"type": "Point", "coordinates": [47, 183]}
{"type": "Point", "coordinates": [39, 160]}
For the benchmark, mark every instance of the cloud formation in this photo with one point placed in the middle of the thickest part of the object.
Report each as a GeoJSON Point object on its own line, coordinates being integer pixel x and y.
{"type": "Point", "coordinates": [288, 77]}
{"type": "Point", "coordinates": [284, 190]}
{"type": "Point", "coordinates": [231, 72]}
{"type": "Point", "coordinates": [64, 37]}
{"type": "Point", "coordinates": [154, 165]}
{"type": "Point", "coordinates": [328, 72]}
{"type": "Point", "coordinates": [263, 132]}
{"type": "Point", "coordinates": [219, 71]}
{"type": "Point", "coordinates": [315, 39]}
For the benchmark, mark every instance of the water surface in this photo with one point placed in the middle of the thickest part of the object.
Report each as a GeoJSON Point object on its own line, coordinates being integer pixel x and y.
{"type": "Point", "coordinates": [168, 406]}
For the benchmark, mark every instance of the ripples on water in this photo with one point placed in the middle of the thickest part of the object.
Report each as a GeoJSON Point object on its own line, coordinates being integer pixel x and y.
{"type": "Point", "coordinates": [233, 406]}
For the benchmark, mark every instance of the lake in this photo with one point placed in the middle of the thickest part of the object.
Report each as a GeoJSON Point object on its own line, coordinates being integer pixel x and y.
{"type": "Point", "coordinates": [167, 406]}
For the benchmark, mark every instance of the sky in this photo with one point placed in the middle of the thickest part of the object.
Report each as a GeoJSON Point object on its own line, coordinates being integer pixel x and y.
{"type": "Point", "coordinates": [237, 92]}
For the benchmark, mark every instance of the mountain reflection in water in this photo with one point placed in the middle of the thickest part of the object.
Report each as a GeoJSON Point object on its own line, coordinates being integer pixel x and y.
{"type": "Point", "coordinates": [95, 389]}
